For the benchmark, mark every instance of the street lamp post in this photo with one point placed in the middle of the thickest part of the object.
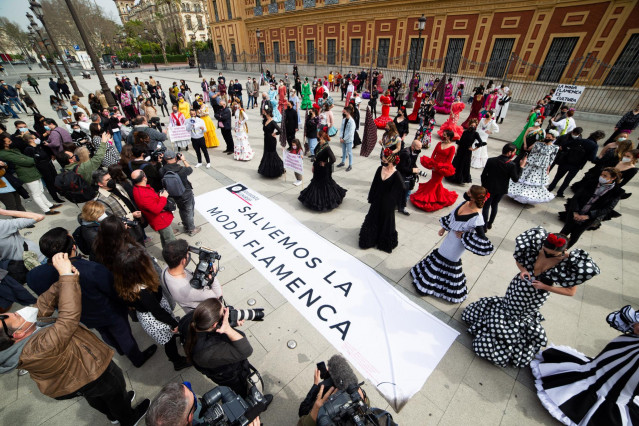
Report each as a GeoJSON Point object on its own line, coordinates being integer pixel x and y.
{"type": "Point", "coordinates": [155, 65]}
{"type": "Point", "coordinates": [258, 35]}
{"type": "Point", "coordinates": [36, 47]}
{"type": "Point", "coordinates": [94, 59]}
{"type": "Point", "coordinates": [421, 25]}
{"type": "Point", "coordinates": [36, 8]}
{"type": "Point", "coordinates": [36, 30]}
{"type": "Point", "coordinates": [197, 62]}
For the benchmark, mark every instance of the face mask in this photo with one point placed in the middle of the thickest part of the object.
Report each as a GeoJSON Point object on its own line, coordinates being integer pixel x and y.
{"type": "Point", "coordinates": [548, 140]}
{"type": "Point", "coordinates": [626, 160]}
{"type": "Point", "coordinates": [343, 115]}
{"type": "Point", "coordinates": [384, 164]}
{"type": "Point", "coordinates": [47, 128]}
{"type": "Point", "coordinates": [621, 139]}
{"type": "Point", "coordinates": [111, 184]}
{"type": "Point", "coordinates": [537, 124]}
{"type": "Point", "coordinates": [23, 129]}
{"type": "Point", "coordinates": [104, 216]}
{"type": "Point", "coordinates": [603, 180]}
{"type": "Point", "coordinates": [573, 136]}
{"type": "Point", "coordinates": [37, 141]}
{"type": "Point", "coordinates": [74, 106]}
{"type": "Point", "coordinates": [30, 314]}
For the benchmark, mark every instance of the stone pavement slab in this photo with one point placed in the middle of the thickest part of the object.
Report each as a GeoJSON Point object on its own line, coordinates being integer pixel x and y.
{"type": "Point", "coordinates": [463, 389]}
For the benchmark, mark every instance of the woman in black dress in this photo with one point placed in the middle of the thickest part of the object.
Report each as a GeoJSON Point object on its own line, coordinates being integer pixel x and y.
{"type": "Point", "coordinates": [323, 194]}
{"type": "Point", "coordinates": [271, 165]}
{"type": "Point", "coordinates": [609, 156]}
{"type": "Point", "coordinates": [468, 142]}
{"type": "Point", "coordinates": [401, 123]}
{"type": "Point", "coordinates": [386, 193]}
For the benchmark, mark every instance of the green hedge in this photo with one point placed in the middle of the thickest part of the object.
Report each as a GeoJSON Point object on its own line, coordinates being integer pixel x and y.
{"type": "Point", "coordinates": [148, 59]}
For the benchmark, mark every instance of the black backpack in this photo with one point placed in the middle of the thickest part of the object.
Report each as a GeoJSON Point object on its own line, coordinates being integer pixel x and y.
{"type": "Point", "coordinates": [73, 186]}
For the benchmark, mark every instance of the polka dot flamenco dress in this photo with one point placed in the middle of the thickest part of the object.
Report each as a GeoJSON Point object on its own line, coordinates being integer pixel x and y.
{"type": "Point", "coordinates": [440, 273]}
{"type": "Point", "coordinates": [508, 329]}
{"type": "Point", "coordinates": [531, 187]}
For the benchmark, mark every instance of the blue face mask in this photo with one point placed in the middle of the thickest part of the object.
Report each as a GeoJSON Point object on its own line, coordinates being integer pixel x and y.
{"type": "Point", "coordinates": [23, 129]}
{"type": "Point", "coordinates": [47, 128]}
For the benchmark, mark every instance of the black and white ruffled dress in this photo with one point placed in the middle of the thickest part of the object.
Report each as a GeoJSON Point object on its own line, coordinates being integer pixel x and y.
{"type": "Point", "coordinates": [440, 273]}
{"type": "Point", "coordinates": [531, 187]}
{"type": "Point", "coordinates": [579, 390]}
{"type": "Point", "coordinates": [508, 329]}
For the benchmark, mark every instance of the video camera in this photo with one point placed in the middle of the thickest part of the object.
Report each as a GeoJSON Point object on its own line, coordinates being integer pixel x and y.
{"type": "Point", "coordinates": [204, 266]}
{"type": "Point", "coordinates": [348, 408]}
{"type": "Point", "coordinates": [223, 407]}
{"type": "Point", "coordinates": [128, 222]}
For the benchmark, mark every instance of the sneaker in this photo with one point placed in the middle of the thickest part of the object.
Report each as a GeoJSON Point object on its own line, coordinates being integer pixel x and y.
{"type": "Point", "coordinates": [55, 206]}
{"type": "Point", "coordinates": [52, 212]}
{"type": "Point", "coordinates": [297, 183]}
{"type": "Point", "coordinates": [349, 168]}
{"type": "Point", "coordinates": [198, 165]}
{"type": "Point", "coordinates": [268, 398]}
{"type": "Point", "coordinates": [140, 411]}
{"type": "Point", "coordinates": [340, 165]}
{"type": "Point", "coordinates": [404, 212]}
{"type": "Point", "coordinates": [194, 231]}
{"type": "Point", "coordinates": [22, 372]}
{"type": "Point", "coordinates": [208, 165]}
{"type": "Point", "coordinates": [181, 363]}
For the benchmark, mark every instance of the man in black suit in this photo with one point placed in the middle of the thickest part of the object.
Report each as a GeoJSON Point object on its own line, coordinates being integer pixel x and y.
{"type": "Point", "coordinates": [495, 178]}
{"type": "Point", "coordinates": [224, 123]}
{"type": "Point", "coordinates": [575, 152]}
{"type": "Point", "coordinates": [408, 168]}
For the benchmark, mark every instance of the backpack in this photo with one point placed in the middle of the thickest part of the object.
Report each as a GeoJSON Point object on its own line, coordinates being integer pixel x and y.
{"type": "Point", "coordinates": [172, 182]}
{"type": "Point", "coordinates": [82, 244]}
{"type": "Point", "coordinates": [73, 186]}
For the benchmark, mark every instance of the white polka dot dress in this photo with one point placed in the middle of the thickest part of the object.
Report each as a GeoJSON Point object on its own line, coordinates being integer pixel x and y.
{"type": "Point", "coordinates": [531, 187]}
{"type": "Point", "coordinates": [440, 274]}
{"type": "Point", "coordinates": [507, 330]}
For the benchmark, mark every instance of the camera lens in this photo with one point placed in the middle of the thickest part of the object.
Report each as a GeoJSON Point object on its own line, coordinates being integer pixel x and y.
{"type": "Point", "coordinates": [250, 314]}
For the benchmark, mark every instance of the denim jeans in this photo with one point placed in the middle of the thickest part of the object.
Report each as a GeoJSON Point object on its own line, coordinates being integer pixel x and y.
{"type": "Point", "coordinates": [16, 102]}
{"type": "Point", "coordinates": [117, 140]}
{"type": "Point", "coordinates": [108, 395]}
{"type": "Point", "coordinates": [11, 291]}
{"type": "Point", "coordinates": [250, 102]}
{"type": "Point", "coordinates": [6, 108]}
{"type": "Point", "coordinates": [312, 143]}
{"type": "Point", "coordinates": [347, 149]}
{"type": "Point", "coordinates": [186, 206]}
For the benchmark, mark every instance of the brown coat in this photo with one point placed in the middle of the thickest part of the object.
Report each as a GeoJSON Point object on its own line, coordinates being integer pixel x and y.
{"type": "Point", "coordinates": [66, 356]}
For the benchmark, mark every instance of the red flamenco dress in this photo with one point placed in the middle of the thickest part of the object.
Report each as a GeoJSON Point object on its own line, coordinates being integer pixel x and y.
{"type": "Point", "coordinates": [384, 119]}
{"type": "Point", "coordinates": [414, 116]}
{"type": "Point", "coordinates": [475, 108]}
{"type": "Point", "coordinates": [431, 195]}
{"type": "Point", "coordinates": [451, 123]}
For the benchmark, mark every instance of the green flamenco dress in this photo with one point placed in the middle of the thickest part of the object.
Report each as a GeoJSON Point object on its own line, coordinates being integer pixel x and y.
{"type": "Point", "coordinates": [306, 96]}
{"type": "Point", "coordinates": [519, 142]}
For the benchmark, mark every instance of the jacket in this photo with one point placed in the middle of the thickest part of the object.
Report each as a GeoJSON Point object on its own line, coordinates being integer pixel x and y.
{"type": "Point", "coordinates": [66, 356]}
{"type": "Point", "coordinates": [151, 205]}
{"type": "Point", "coordinates": [116, 203]}
{"type": "Point", "coordinates": [56, 138]}
{"type": "Point", "coordinates": [24, 165]}
{"type": "Point", "coordinates": [154, 135]}
{"type": "Point", "coordinates": [87, 168]}
{"type": "Point", "coordinates": [224, 116]}
{"type": "Point", "coordinates": [181, 171]}
{"type": "Point", "coordinates": [497, 174]}
{"type": "Point", "coordinates": [99, 300]}
{"type": "Point", "coordinates": [600, 208]}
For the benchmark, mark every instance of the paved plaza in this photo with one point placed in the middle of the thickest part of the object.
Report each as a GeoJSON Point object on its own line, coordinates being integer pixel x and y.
{"type": "Point", "coordinates": [464, 389]}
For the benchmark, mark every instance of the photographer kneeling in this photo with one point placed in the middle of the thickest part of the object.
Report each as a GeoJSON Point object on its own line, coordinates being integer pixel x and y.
{"type": "Point", "coordinates": [216, 349]}
{"type": "Point", "coordinates": [177, 279]}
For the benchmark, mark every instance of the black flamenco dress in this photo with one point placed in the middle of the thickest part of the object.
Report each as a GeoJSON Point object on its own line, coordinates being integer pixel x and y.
{"type": "Point", "coordinates": [271, 165]}
{"type": "Point", "coordinates": [463, 157]}
{"type": "Point", "coordinates": [378, 229]}
{"type": "Point", "coordinates": [323, 193]}
{"type": "Point", "coordinates": [577, 389]}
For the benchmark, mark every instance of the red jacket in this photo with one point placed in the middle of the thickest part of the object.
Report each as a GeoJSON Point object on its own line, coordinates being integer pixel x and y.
{"type": "Point", "coordinates": [151, 205]}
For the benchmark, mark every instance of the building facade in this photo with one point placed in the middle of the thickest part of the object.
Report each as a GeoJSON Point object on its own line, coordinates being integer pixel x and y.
{"type": "Point", "coordinates": [554, 41]}
{"type": "Point", "coordinates": [175, 21]}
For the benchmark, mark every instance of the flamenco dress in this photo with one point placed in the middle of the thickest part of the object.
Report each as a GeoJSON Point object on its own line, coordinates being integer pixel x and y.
{"type": "Point", "coordinates": [579, 390]}
{"type": "Point", "coordinates": [446, 106]}
{"type": "Point", "coordinates": [440, 273]}
{"type": "Point", "coordinates": [378, 229]}
{"type": "Point", "coordinates": [507, 330]}
{"type": "Point", "coordinates": [271, 165]}
{"type": "Point", "coordinates": [306, 96]}
{"type": "Point", "coordinates": [431, 195]}
{"type": "Point", "coordinates": [277, 117]}
{"type": "Point", "coordinates": [531, 187]}
{"type": "Point", "coordinates": [451, 123]}
{"type": "Point", "coordinates": [323, 193]}
{"type": "Point", "coordinates": [384, 119]}
{"type": "Point", "coordinates": [475, 108]}
{"type": "Point", "coordinates": [519, 142]}
{"type": "Point", "coordinates": [413, 117]}
{"type": "Point", "coordinates": [210, 137]}
{"type": "Point", "coordinates": [242, 150]}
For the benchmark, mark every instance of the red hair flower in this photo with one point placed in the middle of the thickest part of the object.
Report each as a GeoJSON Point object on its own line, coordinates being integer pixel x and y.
{"type": "Point", "coordinates": [556, 241]}
{"type": "Point", "coordinates": [396, 160]}
{"type": "Point", "coordinates": [387, 152]}
{"type": "Point", "coordinates": [325, 129]}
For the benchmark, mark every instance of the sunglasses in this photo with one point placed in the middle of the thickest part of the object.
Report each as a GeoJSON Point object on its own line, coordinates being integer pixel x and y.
{"type": "Point", "coordinates": [4, 325]}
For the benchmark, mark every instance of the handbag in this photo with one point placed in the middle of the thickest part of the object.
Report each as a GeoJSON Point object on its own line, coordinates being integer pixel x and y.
{"type": "Point", "coordinates": [170, 206]}
{"type": "Point", "coordinates": [332, 131]}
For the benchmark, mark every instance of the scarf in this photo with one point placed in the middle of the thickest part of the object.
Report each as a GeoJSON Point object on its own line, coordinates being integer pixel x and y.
{"type": "Point", "coordinates": [10, 357]}
{"type": "Point", "coordinates": [599, 192]}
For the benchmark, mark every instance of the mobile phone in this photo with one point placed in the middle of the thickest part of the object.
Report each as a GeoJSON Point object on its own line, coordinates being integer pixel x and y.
{"type": "Point", "coordinates": [321, 366]}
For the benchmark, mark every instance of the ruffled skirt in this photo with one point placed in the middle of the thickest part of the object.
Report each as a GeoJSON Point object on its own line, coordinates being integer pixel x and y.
{"type": "Point", "coordinates": [440, 277]}
{"type": "Point", "coordinates": [322, 195]}
{"type": "Point", "coordinates": [271, 165]}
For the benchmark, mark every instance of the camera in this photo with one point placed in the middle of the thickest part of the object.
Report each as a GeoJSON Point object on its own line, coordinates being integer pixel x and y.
{"type": "Point", "coordinates": [204, 266]}
{"type": "Point", "coordinates": [155, 155]}
{"type": "Point", "coordinates": [223, 407]}
{"type": "Point", "coordinates": [236, 315]}
{"type": "Point", "coordinates": [128, 222]}
{"type": "Point", "coordinates": [347, 407]}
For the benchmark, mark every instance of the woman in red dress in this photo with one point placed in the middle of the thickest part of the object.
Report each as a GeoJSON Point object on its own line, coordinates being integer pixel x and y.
{"type": "Point", "coordinates": [381, 121]}
{"type": "Point", "coordinates": [431, 195]}
{"type": "Point", "coordinates": [475, 108]}
{"type": "Point", "coordinates": [451, 123]}
{"type": "Point", "coordinates": [419, 97]}
{"type": "Point", "coordinates": [281, 92]}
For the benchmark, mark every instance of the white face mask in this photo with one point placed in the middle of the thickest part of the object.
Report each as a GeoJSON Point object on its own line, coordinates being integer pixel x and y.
{"type": "Point", "coordinates": [626, 160]}
{"type": "Point", "coordinates": [603, 180]}
{"type": "Point", "coordinates": [37, 141]}
{"type": "Point", "coordinates": [104, 216]}
{"type": "Point", "coordinates": [621, 139]}
{"type": "Point", "coordinates": [30, 314]}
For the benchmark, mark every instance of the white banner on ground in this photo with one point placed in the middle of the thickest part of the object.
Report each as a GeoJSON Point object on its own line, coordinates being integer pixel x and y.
{"type": "Point", "coordinates": [179, 133]}
{"type": "Point", "coordinates": [293, 162]}
{"type": "Point", "coordinates": [568, 93]}
{"type": "Point", "coordinates": [393, 342]}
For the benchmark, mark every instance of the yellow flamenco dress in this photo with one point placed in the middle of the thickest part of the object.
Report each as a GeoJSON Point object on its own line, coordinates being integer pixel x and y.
{"type": "Point", "coordinates": [184, 107]}
{"type": "Point", "coordinates": [209, 136]}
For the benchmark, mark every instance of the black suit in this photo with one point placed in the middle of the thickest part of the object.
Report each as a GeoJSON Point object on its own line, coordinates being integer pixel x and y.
{"type": "Point", "coordinates": [224, 122]}
{"type": "Point", "coordinates": [407, 162]}
{"type": "Point", "coordinates": [495, 178]}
